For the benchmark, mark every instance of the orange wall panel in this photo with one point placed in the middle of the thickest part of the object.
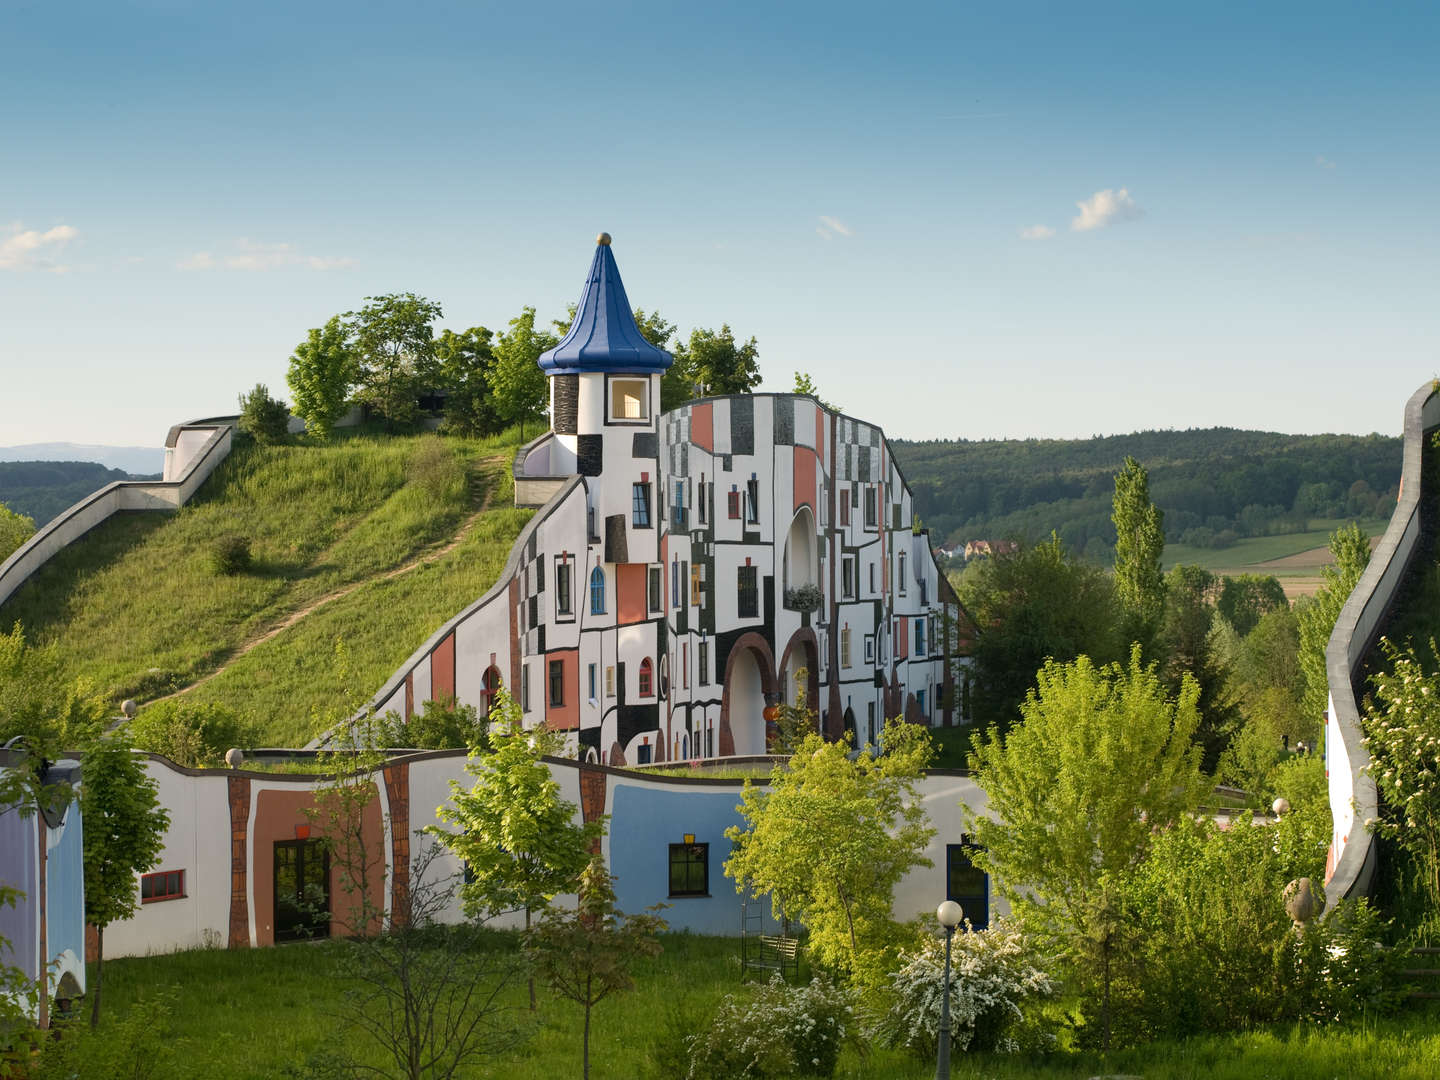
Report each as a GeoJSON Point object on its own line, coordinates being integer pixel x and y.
{"type": "Point", "coordinates": [442, 669]}
{"type": "Point", "coordinates": [564, 717]}
{"type": "Point", "coordinates": [804, 459]}
{"type": "Point", "coordinates": [702, 427]}
{"type": "Point", "coordinates": [631, 588]}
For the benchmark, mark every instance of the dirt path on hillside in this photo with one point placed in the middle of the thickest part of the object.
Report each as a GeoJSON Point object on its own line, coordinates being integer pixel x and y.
{"type": "Point", "coordinates": [297, 616]}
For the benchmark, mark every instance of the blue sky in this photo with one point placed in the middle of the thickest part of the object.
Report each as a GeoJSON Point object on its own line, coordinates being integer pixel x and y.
{"type": "Point", "coordinates": [963, 220]}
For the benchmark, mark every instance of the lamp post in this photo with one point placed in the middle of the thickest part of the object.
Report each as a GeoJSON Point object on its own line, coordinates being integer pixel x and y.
{"type": "Point", "coordinates": [949, 914]}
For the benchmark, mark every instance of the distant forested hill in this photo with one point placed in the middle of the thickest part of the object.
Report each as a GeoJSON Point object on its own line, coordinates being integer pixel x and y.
{"type": "Point", "coordinates": [1215, 485]}
{"type": "Point", "coordinates": [41, 489]}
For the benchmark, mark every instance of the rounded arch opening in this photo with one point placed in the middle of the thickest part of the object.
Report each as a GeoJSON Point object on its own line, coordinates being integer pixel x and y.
{"type": "Point", "coordinates": [802, 561]}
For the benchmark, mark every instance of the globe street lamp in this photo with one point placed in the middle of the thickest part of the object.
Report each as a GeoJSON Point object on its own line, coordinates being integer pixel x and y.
{"type": "Point", "coordinates": [949, 914]}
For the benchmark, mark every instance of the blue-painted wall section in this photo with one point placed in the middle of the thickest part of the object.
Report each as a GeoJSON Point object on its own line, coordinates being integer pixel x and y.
{"type": "Point", "coordinates": [20, 925]}
{"type": "Point", "coordinates": [651, 819]}
{"type": "Point", "coordinates": [65, 896]}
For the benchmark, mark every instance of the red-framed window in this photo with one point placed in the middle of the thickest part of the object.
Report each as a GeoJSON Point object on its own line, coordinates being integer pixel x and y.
{"type": "Point", "coordinates": [166, 885]}
{"type": "Point", "coordinates": [733, 502]}
{"type": "Point", "coordinates": [647, 678]}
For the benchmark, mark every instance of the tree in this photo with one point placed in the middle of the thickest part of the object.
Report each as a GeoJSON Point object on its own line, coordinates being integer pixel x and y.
{"type": "Point", "coordinates": [394, 352]}
{"type": "Point", "coordinates": [586, 955]}
{"type": "Point", "coordinates": [264, 419]}
{"type": "Point", "coordinates": [428, 994]}
{"type": "Point", "coordinates": [124, 836]}
{"type": "Point", "coordinates": [1100, 760]}
{"type": "Point", "coordinates": [467, 365]}
{"type": "Point", "coordinates": [805, 385]}
{"type": "Point", "coordinates": [715, 363]}
{"type": "Point", "coordinates": [322, 371]}
{"type": "Point", "coordinates": [37, 702]}
{"type": "Point", "coordinates": [1139, 543]}
{"type": "Point", "coordinates": [521, 387]}
{"type": "Point", "coordinates": [15, 529]}
{"type": "Point", "coordinates": [1244, 598]}
{"type": "Point", "coordinates": [1351, 549]}
{"type": "Point", "coordinates": [1033, 604]}
{"type": "Point", "coordinates": [518, 838]}
{"type": "Point", "coordinates": [1188, 644]}
{"type": "Point", "coordinates": [830, 839]}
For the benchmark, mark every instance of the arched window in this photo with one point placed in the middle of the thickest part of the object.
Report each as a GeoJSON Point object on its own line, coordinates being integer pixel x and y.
{"type": "Point", "coordinates": [647, 678]}
{"type": "Point", "coordinates": [597, 591]}
{"type": "Point", "coordinates": [489, 687]}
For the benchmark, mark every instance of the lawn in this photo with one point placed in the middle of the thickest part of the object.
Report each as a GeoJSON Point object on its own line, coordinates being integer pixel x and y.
{"type": "Point", "coordinates": [259, 1013]}
{"type": "Point", "coordinates": [136, 608]}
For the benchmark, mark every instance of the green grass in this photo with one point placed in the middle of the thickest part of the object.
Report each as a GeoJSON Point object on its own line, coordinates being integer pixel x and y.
{"type": "Point", "coordinates": [136, 608]}
{"type": "Point", "coordinates": [258, 1013]}
{"type": "Point", "coordinates": [1258, 549]}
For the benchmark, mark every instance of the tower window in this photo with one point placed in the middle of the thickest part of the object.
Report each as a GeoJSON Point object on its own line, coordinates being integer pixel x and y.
{"type": "Point", "coordinates": [629, 399]}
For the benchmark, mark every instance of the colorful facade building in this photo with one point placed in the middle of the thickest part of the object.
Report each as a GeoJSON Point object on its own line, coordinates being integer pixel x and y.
{"type": "Point", "coordinates": [689, 569]}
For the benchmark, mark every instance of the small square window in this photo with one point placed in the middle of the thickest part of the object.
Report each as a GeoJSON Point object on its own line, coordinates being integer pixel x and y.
{"type": "Point", "coordinates": [629, 399]}
{"type": "Point", "coordinates": [689, 869]}
{"type": "Point", "coordinates": [166, 885]}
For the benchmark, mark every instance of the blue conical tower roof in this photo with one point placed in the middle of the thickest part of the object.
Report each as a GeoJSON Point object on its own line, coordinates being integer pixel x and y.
{"type": "Point", "coordinates": [604, 336]}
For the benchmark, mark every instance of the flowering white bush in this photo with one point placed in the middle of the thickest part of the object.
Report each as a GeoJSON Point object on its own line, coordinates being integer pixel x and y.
{"type": "Point", "coordinates": [1402, 733]}
{"type": "Point", "coordinates": [781, 1030]}
{"type": "Point", "coordinates": [991, 975]}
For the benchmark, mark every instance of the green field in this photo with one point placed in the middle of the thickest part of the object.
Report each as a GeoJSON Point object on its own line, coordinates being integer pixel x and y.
{"type": "Point", "coordinates": [1245, 555]}
{"type": "Point", "coordinates": [260, 1013]}
{"type": "Point", "coordinates": [136, 607]}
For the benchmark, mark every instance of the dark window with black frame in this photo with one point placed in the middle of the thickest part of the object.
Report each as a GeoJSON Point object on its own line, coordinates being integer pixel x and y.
{"type": "Point", "coordinates": [562, 585]}
{"type": "Point", "coordinates": [557, 683]}
{"type": "Point", "coordinates": [869, 507]}
{"type": "Point", "coordinates": [752, 500]}
{"type": "Point", "coordinates": [655, 599]}
{"type": "Point", "coordinates": [704, 663]}
{"type": "Point", "coordinates": [966, 883]}
{"type": "Point", "coordinates": [640, 510]}
{"type": "Point", "coordinates": [700, 502]}
{"type": "Point", "coordinates": [690, 869]}
{"type": "Point", "coordinates": [748, 593]}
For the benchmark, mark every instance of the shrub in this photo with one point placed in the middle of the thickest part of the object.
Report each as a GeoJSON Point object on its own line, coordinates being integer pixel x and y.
{"type": "Point", "coordinates": [230, 555]}
{"type": "Point", "coordinates": [994, 974]}
{"type": "Point", "coordinates": [804, 598]}
{"type": "Point", "coordinates": [778, 1031]}
{"type": "Point", "coordinates": [1338, 970]}
{"type": "Point", "coordinates": [191, 734]}
{"type": "Point", "coordinates": [440, 725]}
{"type": "Point", "coordinates": [15, 529]}
{"type": "Point", "coordinates": [262, 417]}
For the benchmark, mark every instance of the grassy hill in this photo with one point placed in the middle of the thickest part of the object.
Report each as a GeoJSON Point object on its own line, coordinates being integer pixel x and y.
{"type": "Point", "coordinates": [374, 541]}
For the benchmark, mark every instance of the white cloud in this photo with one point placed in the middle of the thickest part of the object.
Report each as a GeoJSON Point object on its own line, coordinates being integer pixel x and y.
{"type": "Point", "coordinates": [1323, 162]}
{"type": "Point", "coordinates": [830, 228]}
{"type": "Point", "coordinates": [1105, 208]}
{"type": "Point", "coordinates": [1037, 232]}
{"type": "Point", "coordinates": [253, 255]}
{"type": "Point", "coordinates": [31, 249]}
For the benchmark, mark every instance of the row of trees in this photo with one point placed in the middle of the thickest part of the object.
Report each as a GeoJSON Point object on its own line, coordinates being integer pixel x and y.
{"type": "Point", "coordinates": [386, 357]}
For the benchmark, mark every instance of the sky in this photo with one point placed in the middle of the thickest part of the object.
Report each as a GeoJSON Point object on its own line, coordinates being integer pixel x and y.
{"type": "Point", "coordinates": [962, 220]}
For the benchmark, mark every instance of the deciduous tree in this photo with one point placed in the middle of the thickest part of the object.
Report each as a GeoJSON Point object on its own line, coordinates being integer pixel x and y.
{"type": "Point", "coordinates": [15, 529]}
{"type": "Point", "coordinates": [522, 391]}
{"type": "Point", "coordinates": [1139, 543]}
{"type": "Point", "coordinates": [1100, 760]}
{"type": "Point", "coordinates": [322, 371]}
{"type": "Point", "coordinates": [124, 836]}
{"type": "Point", "coordinates": [394, 352]}
{"type": "Point", "coordinates": [1244, 598]}
{"type": "Point", "coordinates": [467, 367]}
{"type": "Point", "coordinates": [262, 417]}
{"type": "Point", "coordinates": [715, 363]}
{"type": "Point", "coordinates": [586, 955]}
{"type": "Point", "coordinates": [518, 837]}
{"type": "Point", "coordinates": [1188, 645]}
{"type": "Point", "coordinates": [832, 837]}
{"type": "Point", "coordinates": [805, 385]}
{"type": "Point", "coordinates": [1033, 604]}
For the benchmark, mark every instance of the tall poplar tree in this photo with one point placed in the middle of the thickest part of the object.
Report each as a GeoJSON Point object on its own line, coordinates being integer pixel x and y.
{"type": "Point", "coordinates": [1139, 543]}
